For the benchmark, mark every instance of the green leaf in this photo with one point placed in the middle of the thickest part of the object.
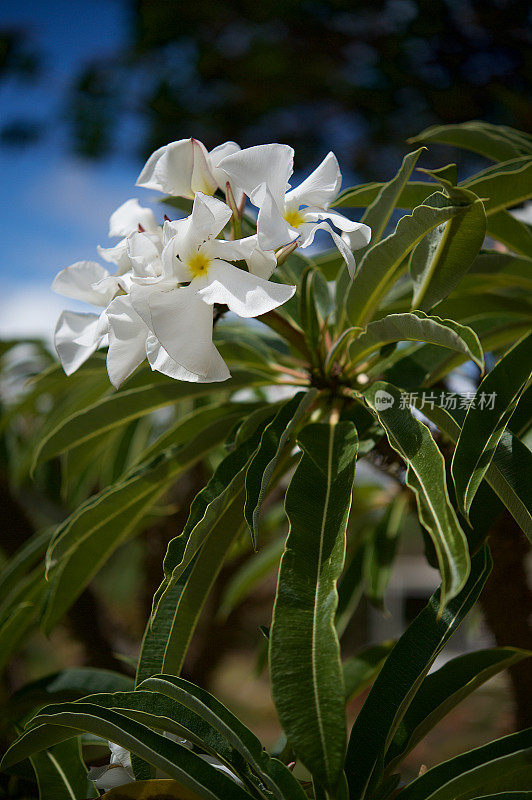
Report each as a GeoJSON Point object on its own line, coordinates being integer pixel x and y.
{"type": "Point", "coordinates": [361, 669]}
{"type": "Point", "coordinates": [273, 440]}
{"type": "Point", "coordinates": [377, 269]}
{"type": "Point", "coordinates": [226, 483]}
{"type": "Point", "coordinates": [25, 559]}
{"type": "Point", "coordinates": [486, 421]}
{"type": "Point", "coordinates": [213, 417]}
{"type": "Point", "coordinates": [510, 231]}
{"type": "Point", "coordinates": [69, 684]}
{"type": "Point", "coordinates": [444, 256]}
{"type": "Point", "coordinates": [253, 570]}
{"type": "Point", "coordinates": [505, 185]}
{"type": "Point", "coordinates": [196, 584]}
{"type": "Point", "coordinates": [484, 769]}
{"type": "Point", "coordinates": [413, 194]}
{"type": "Point", "coordinates": [128, 404]}
{"type": "Point", "coordinates": [402, 675]}
{"type": "Point", "coordinates": [495, 269]}
{"type": "Point", "coordinates": [61, 773]}
{"type": "Point", "coordinates": [305, 668]}
{"type": "Point", "coordinates": [416, 326]}
{"type": "Point", "coordinates": [508, 472]}
{"type": "Point", "coordinates": [56, 723]}
{"type": "Point", "coordinates": [380, 555]}
{"type": "Point", "coordinates": [237, 735]}
{"type": "Point", "coordinates": [91, 534]}
{"type": "Point", "coordinates": [426, 477]}
{"type": "Point", "coordinates": [441, 691]}
{"type": "Point", "coordinates": [495, 142]}
{"type": "Point", "coordinates": [380, 210]}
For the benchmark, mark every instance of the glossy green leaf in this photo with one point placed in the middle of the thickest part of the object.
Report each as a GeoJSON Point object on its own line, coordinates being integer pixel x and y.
{"type": "Point", "coordinates": [503, 764]}
{"type": "Point", "coordinates": [441, 691]}
{"type": "Point", "coordinates": [402, 675]}
{"type": "Point", "coordinates": [412, 194]}
{"type": "Point", "coordinates": [274, 774]}
{"type": "Point", "coordinates": [361, 669]}
{"type": "Point", "coordinates": [197, 582]}
{"type": "Point", "coordinates": [61, 773]}
{"type": "Point", "coordinates": [509, 469]}
{"type": "Point", "coordinates": [377, 268]}
{"type": "Point", "coordinates": [495, 142]}
{"type": "Point", "coordinates": [378, 213]}
{"type": "Point", "coordinates": [426, 477]}
{"type": "Point", "coordinates": [173, 759]}
{"type": "Point", "coordinates": [127, 404]}
{"type": "Point", "coordinates": [486, 420]}
{"type": "Point", "coordinates": [416, 326]}
{"type": "Point", "coordinates": [443, 257]}
{"type": "Point", "coordinates": [273, 440]}
{"type": "Point", "coordinates": [507, 184]}
{"type": "Point", "coordinates": [305, 668]}
{"type": "Point", "coordinates": [226, 483]}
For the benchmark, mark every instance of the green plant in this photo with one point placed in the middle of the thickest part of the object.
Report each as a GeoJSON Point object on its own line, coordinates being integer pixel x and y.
{"type": "Point", "coordinates": [424, 300]}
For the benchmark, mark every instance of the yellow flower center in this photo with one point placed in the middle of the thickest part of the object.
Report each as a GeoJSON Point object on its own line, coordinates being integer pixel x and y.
{"type": "Point", "coordinates": [199, 264]}
{"type": "Point", "coordinates": [294, 217]}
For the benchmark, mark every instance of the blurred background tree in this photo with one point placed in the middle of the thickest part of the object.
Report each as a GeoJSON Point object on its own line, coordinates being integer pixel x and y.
{"type": "Point", "coordinates": [355, 77]}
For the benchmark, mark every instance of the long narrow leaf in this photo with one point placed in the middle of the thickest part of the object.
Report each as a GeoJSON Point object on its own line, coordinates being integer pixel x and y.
{"type": "Point", "coordinates": [401, 676]}
{"type": "Point", "coordinates": [426, 477]}
{"type": "Point", "coordinates": [487, 418]}
{"type": "Point", "coordinates": [305, 666]}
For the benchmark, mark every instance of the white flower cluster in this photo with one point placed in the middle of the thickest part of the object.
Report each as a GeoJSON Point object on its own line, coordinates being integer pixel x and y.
{"type": "Point", "coordinates": [158, 303]}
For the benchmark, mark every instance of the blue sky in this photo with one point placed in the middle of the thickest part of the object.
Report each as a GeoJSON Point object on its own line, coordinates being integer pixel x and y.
{"type": "Point", "coordinates": [55, 207]}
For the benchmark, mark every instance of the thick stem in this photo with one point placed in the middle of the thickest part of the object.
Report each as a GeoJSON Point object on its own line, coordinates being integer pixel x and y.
{"type": "Point", "coordinates": [507, 605]}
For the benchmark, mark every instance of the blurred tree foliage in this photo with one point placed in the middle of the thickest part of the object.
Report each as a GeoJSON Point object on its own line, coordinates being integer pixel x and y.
{"type": "Point", "coordinates": [359, 77]}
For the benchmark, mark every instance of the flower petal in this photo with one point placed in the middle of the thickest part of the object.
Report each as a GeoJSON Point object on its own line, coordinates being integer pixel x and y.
{"type": "Point", "coordinates": [361, 233]}
{"type": "Point", "coordinates": [202, 179]}
{"type": "Point", "coordinates": [272, 164]}
{"type": "Point", "coordinates": [127, 341]}
{"type": "Point", "coordinates": [144, 250]}
{"type": "Point", "coordinates": [117, 255]}
{"type": "Point", "coordinates": [215, 156]}
{"type": "Point", "coordinates": [260, 262]}
{"type": "Point", "coordinates": [272, 229]}
{"type": "Point", "coordinates": [245, 294]}
{"type": "Point", "coordinates": [169, 169]}
{"type": "Point", "coordinates": [183, 324]}
{"type": "Point", "coordinates": [321, 187]}
{"type": "Point", "coordinates": [77, 281]}
{"type": "Point", "coordinates": [129, 216]}
{"type": "Point", "coordinates": [110, 778]}
{"type": "Point", "coordinates": [160, 361]}
{"type": "Point", "coordinates": [76, 338]}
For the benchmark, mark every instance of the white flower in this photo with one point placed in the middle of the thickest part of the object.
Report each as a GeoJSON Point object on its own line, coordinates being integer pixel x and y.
{"type": "Point", "coordinates": [185, 167]}
{"type": "Point", "coordinates": [120, 772]}
{"type": "Point", "coordinates": [181, 316]}
{"type": "Point", "coordinates": [287, 214]}
{"type": "Point", "coordinates": [117, 773]}
{"type": "Point", "coordinates": [130, 217]}
{"type": "Point", "coordinates": [77, 334]}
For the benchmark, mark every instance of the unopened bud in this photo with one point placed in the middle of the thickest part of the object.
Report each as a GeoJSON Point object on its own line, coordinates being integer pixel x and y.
{"type": "Point", "coordinates": [282, 254]}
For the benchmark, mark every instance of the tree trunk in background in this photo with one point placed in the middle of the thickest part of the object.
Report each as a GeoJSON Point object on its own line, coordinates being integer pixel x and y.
{"type": "Point", "coordinates": [507, 605]}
